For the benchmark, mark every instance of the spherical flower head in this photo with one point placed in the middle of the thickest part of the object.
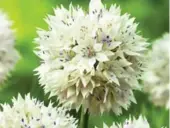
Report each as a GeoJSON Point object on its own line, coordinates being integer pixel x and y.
{"type": "Point", "coordinates": [31, 113]}
{"type": "Point", "coordinates": [92, 59]}
{"type": "Point", "coordinates": [8, 54]}
{"type": "Point", "coordinates": [157, 77]}
{"type": "Point", "coordinates": [141, 122]}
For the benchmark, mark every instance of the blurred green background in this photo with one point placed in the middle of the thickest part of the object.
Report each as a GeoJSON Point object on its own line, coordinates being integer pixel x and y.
{"type": "Point", "coordinates": [27, 15]}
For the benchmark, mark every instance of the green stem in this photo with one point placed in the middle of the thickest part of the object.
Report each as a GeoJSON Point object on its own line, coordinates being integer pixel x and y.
{"type": "Point", "coordinates": [80, 117]}
{"type": "Point", "coordinates": [84, 119]}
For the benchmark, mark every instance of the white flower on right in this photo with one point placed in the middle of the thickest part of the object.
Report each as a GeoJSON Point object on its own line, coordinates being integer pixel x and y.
{"type": "Point", "coordinates": [31, 113]}
{"type": "Point", "coordinates": [141, 122]}
{"type": "Point", "coordinates": [8, 54]}
{"type": "Point", "coordinates": [157, 77]}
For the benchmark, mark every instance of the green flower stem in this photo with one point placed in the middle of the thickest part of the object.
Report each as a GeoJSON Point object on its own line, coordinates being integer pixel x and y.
{"type": "Point", "coordinates": [84, 119]}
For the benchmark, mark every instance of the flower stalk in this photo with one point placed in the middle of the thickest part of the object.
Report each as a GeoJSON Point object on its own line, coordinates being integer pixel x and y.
{"type": "Point", "coordinates": [84, 119]}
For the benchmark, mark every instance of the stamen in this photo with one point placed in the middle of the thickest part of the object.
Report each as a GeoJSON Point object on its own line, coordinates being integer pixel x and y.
{"type": "Point", "coordinates": [88, 52]}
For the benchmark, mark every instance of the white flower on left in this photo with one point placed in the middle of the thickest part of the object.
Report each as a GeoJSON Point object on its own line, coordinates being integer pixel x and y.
{"type": "Point", "coordinates": [8, 54]}
{"type": "Point", "coordinates": [30, 113]}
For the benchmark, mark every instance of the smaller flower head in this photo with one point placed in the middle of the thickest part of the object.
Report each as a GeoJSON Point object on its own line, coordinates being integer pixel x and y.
{"type": "Point", "coordinates": [157, 77]}
{"type": "Point", "coordinates": [30, 113]}
{"type": "Point", "coordinates": [141, 122]}
{"type": "Point", "coordinates": [8, 54]}
{"type": "Point", "coordinates": [131, 123]}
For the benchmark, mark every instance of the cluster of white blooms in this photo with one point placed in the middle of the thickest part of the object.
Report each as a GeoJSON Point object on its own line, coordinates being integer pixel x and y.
{"type": "Point", "coordinates": [157, 77]}
{"type": "Point", "coordinates": [92, 59]}
{"type": "Point", "coordinates": [141, 122]}
{"type": "Point", "coordinates": [30, 113]}
{"type": "Point", "coordinates": [8, 54]}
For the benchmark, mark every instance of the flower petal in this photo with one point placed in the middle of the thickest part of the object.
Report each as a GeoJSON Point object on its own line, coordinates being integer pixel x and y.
{"type": "Point", "coordinates": [101, 57]}
{"type": "Point", "coordinates": [98, 47]}
{"type": "Point", "coordinates": [113, 45]}
{"type": "Point", "coordinates": [95, 5]}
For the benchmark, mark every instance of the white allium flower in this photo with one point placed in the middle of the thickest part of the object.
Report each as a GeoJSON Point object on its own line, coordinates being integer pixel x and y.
{"type": "Point", "coordinates": [141, 122]}
{"type": "Point", "coordinates": [157, 77]}
{"type": "Point", "coordinates": [30, 113]}
{"type": "Point", "coordinates": [92, 59]}
{"type": "Point", "coordinates": [8, 54]}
